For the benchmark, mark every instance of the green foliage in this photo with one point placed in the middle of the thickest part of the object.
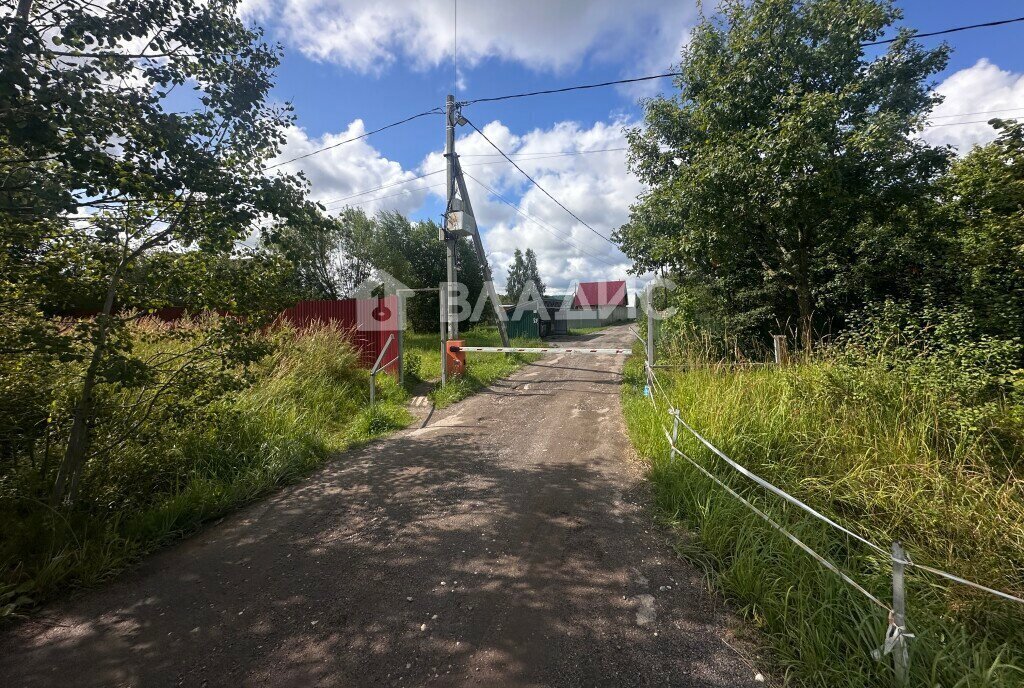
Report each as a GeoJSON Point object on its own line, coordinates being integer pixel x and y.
{"type": "Point", "coordinates": [984, 205]}
{"type": "Point", "coordinates": [910, 428]}
{"type": "Point", "coordinates": [331, 259]}
{"type": "Point", "coordinates": [193, 457]}
{"type": "Point", "coordinates": [521, 273]}
{"type": "Point", "coordinates": [783, 141]}
{"type": "Point", "coordinates": [118, 204]}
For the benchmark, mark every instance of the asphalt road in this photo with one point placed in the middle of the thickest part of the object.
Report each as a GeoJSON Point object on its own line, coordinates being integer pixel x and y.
{"type": "Point", "coordinates": [506, 543]}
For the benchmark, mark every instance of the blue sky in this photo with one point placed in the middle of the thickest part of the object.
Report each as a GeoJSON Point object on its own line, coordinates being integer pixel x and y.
{"type": "Point", "coordinates": [354, 65]}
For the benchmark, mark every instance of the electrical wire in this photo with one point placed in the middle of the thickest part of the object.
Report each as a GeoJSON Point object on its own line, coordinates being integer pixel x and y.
{"type": "Point", "coordinates": [548, 154]}
{"type": "Point", "coordinates": [943, 32]}
{"type": "Point", "coordinates": [542, 225]}
{"type": "Point", "coordinates": [434, 111]}
{"type": "Point", "coordinates": [979, 112]}
{"type": "Point", "coordinates": [534, 182]}
{"type": "Point", "coordinates": [403, 192]}
{"type": "Point", "coordinates": [382, 187]}
{"type": "Point", "coordinates": [581, 87]}
{"type": "Point", "coordinates": [956, 124]}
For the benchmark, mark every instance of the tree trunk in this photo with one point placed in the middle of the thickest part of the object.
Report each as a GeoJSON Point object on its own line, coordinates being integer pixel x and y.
{"type": "Point", "coordinates": [805, 303]}
{"type": "Point", "coordinates": [65, 487]}
{"type": "Point", "coordinates": [24, 7]}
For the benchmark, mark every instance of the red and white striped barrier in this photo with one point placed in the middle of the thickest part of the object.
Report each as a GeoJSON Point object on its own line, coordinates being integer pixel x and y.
{"type": "Point", "coordinates": [541, 350]}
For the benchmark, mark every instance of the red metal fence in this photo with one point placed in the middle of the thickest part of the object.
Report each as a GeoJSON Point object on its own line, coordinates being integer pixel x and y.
{"type": "Point", "coordinates": [371, 322]}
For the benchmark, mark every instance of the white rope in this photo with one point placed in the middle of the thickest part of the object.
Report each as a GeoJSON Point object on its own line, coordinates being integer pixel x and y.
{"type": "Point", "coordinates": [781, 493]}
{"type": "Point", "coordinates": [964, 581]}
{"type": "Point", "coordinates": [795, 540]}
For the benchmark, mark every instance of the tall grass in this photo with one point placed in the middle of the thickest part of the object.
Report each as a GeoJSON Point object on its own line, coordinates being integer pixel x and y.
{"type": "Point", "coordinates": [880, 453]}
{"type": "Point", "coordinates": [304, 401]}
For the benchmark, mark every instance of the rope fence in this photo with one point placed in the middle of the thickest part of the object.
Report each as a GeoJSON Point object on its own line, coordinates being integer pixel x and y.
{"type": "Point", "coordinates": [896, 636]}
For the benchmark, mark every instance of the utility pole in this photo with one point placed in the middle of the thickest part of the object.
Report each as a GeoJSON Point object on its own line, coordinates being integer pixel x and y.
{"type": "Point", "coordinates": [458, 222]}
{"type": "Point", "coordinates": [481, 255]}
{"type": "Point", "coordinates": [449, 229]}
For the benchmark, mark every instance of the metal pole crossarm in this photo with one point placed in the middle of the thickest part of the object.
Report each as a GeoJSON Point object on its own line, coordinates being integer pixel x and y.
{"type": "Point", "coordinates": [542, 350]}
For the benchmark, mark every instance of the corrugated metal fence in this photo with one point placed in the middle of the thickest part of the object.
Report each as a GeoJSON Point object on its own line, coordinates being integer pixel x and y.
{"type": "Point", "coordinates": [371, 322]}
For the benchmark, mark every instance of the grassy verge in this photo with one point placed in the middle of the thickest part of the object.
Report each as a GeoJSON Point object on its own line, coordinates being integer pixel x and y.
{"type": "Point", "coordinates": [305, 401]}
{"type": "Point", "coordinates": [481, 369]}
{"type": "Point", "coordinates": [873, 451]}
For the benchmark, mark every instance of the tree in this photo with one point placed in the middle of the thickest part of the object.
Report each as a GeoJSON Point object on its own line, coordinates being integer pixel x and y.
{"type": "Point", "coordinates": [323, 252]}
{"type": "Point", "coordinates": [532, 273]}
{"type": "Point", "coordinates": [984, 194]}
{"type": "Point", "coordinates": [516, 279]}
{"type": "Point", "coordinates": [106, 174]}
{"type": "Point", "coordinates": [521, 272]}
{"type": "Point", "coordinates": [784, 140]}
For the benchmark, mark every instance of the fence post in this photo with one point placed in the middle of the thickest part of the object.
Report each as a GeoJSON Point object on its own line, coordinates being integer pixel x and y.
{"type": "Point", "coordinates": [901, 657]}
{"type": "Point", "coordinates": [442, 297]}
{"type": "Point", "coordinates": [650, 324]}
{"type": "Point", "coordinates": [401, 337]}
{"type": "Point", "coordinates": [781, 349]}
{"type": "Point", "coordinates": [675, 435]}
{"type": "Point", "coordinates": [373, 388]}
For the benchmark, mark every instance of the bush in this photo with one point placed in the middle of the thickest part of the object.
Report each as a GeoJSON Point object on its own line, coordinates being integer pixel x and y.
{"type": "Point", "coordinates": [194, 457]}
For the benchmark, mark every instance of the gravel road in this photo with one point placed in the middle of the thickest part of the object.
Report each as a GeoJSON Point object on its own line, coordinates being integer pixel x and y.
{"type": "Point", "coordinates": [506, 543]}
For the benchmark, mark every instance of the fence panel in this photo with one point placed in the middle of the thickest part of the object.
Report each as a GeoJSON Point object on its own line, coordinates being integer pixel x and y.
{"type": "Point", "coordinates": [371, 322]}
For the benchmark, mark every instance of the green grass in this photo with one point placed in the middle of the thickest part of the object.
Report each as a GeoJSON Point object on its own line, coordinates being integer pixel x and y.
{"type": "Point", "coordinates": [307, 400]}
{"type": "Point", "coordinates": [481, 368]}
{"type": "Point", "coordinates": [873, 451]}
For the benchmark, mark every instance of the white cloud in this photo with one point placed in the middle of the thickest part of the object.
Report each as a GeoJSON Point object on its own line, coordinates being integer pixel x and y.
{"type": "Point", "coordinates": [348, 170]}
{"type": "Point", "coordinates": [597, 187]}
{"type": "Point", "coordinates": [368, 35]}
{"type": "Point", "coordinates": [981, 88]}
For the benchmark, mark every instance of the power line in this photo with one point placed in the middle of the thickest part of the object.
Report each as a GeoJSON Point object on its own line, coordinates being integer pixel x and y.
{"type": "Point", "coordinates": [569, 88]}
{"type": "Point", "coordinates": [534, 182]}
{"type": "Point", "coordinates": [403, 192]}
{"type": "Point", "coordinates": [547, 154]}
{"type": "Point", "coordinates": [956, 124]}
{"type": "Point", "coordinates": [943, 32]}
{"type": "Point", "coordinates": [434, 111]}
{"type": "Point", "coordinates": [382, 187]}
{"type": "Point", "coordinates": [547, 228]}
{"type": "Point", "coordinates": [979, 112]}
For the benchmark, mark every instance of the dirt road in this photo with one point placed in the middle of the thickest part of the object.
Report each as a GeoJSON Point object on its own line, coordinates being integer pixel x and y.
{"type": "Point", "coordinates": [504, 544]}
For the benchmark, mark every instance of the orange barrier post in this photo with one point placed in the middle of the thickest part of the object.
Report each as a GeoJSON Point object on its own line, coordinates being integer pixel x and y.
{"type": "Point", "coordinates": [455, 360]}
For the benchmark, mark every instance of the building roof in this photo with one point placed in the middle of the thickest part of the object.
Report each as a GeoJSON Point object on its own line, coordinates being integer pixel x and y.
{"type": "Point", "coordinates": [594, 294]}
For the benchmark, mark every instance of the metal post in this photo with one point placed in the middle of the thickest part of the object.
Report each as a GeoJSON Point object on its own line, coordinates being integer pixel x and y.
{"type": "Point", "coordinates": [373, 388]}
{"type": "Point", "coordinates": [401, 337]}
{"type": "Point", "coordinates": [650, 324]}
{"type": "Point", "coordinates": [675, 435]}
{"type": "Point", "coordinates": [452, 271]}
{"type": "Point", "coordinates": [442, 299]}
{"type": "Point", "coordinates": [899, 608]}
{"type": "Point", "coordinates": [781, 349]}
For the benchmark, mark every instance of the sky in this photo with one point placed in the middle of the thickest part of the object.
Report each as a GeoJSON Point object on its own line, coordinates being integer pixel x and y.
{"type": "Point", "coordinates": [350, 66]}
